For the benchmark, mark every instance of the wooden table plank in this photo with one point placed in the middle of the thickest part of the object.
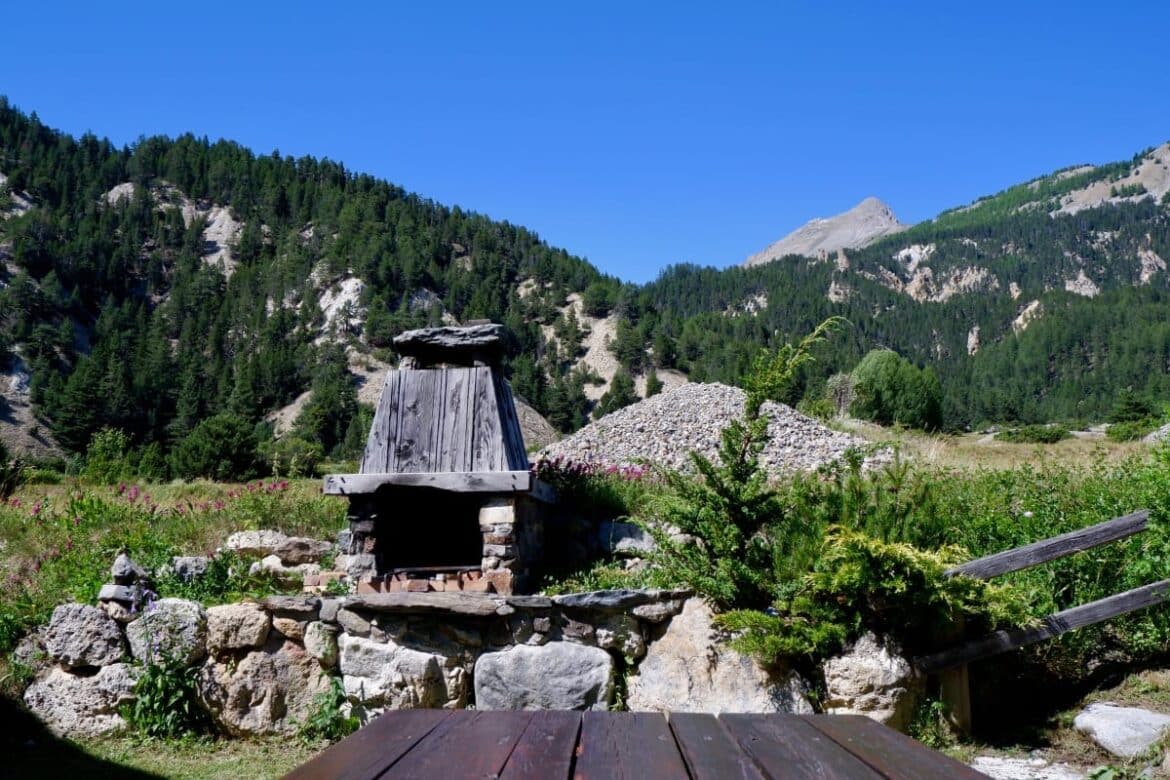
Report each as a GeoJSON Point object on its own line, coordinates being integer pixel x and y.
{"type": "Point", "coordinates": [894, 755]}
{"type": "Point", "coordinates": [634, 745]}
{"type": "Point", "coordinates": [709, 751]}
{"type": "Point", "coordinates": [367, 752]}
{"type": "Point", "coordinates": [784, 746]}
{"type": "Point", "coordinates": [545, 750]}
{"type": "Point", "coordinates": [469, 744]}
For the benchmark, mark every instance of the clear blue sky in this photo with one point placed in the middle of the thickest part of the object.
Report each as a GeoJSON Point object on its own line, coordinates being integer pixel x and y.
{"type": "Point", "coordinates": [634, 134]}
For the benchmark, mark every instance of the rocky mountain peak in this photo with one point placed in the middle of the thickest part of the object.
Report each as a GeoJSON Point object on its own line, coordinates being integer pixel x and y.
{"type": "Point", "coordinates": [860, 226]}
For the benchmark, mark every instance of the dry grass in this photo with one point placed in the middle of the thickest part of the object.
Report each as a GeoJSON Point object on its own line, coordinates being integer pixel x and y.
{"type": "Point", "coordinates": [980, 450]}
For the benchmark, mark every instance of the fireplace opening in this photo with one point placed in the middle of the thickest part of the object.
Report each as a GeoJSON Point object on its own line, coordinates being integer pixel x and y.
{"type": "Point", "coordinates": [428, 530]}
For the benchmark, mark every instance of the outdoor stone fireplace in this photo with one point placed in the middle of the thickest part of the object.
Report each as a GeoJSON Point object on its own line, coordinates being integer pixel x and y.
{"type": "Point", "coordinates": [444, 499]}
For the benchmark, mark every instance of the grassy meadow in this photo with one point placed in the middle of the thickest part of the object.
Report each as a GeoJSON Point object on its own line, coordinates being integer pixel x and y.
{"type": "Point", "coordinates": [970, 495]}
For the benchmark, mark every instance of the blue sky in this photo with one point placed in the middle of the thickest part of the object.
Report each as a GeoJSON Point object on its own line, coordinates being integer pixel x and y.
{"type": "Point", "coordinates": [634, 134]}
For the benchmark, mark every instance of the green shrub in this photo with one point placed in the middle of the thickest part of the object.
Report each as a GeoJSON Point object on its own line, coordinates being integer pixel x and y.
{"type": "Point", "coordinates": [222, 448]}
{"type": "Point", "coordinates": [890, 389]}
{"type": "Point", "coordinates": [292, 456]}
{"type": "Point", "coordinates": [1131, 430]}
{"type": "Point", "coordinates": [1034, 434]}
{"type": "Point", "coordinates": [11, 473]}
{"type": "Point", "coordinates": [860, 583]}
{"type": "Point", "coordinates": [328, 720]}
{"type": "Point", "coordinates": [166, 701]}
{"type": "Point", "coordinates": [106, 457]}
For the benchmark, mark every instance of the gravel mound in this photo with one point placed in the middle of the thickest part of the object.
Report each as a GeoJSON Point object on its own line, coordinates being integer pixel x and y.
{"type": "Point", "coordinates": [663, 428]}
{"type": "Point", "coordinates": [1159, 436]}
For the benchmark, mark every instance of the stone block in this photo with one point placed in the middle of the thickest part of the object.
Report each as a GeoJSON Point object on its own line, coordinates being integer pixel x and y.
{"type": "Point", "coordinates": [236, 626]}
{"type": "Point", "coordinates": [174, 629]}
{"type": "Point", "coordinates": [554, 676]}
{"type": "Point", "coordinates": [80, 635]}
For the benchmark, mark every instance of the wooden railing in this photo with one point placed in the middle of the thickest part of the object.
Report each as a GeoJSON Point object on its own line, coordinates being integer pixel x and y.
{"type": "Point", "coordinates": [951, 664]}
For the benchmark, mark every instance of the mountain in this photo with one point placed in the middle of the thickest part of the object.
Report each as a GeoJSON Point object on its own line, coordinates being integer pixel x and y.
{"type": "Point", "coordinates": [1037, 303]}
{"type": "Point", "coordinates": [856, 228]}
{"type": "Point", "coordinates": [151, 287]}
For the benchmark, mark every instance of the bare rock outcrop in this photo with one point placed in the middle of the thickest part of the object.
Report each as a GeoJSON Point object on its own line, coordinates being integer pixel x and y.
{"type": "Point", "coordinates": [858, 227]}
{"type": "Point", "coordinates": [872, 678]}
{"type": "Point", "coordinates": [690, 669]}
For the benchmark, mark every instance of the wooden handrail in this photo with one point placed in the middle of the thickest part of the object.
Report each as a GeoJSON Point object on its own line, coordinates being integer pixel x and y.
{"type": "Point", "coordinates": [1051, 626]}
{"type": "Point", "coordinates": [1052, 549]}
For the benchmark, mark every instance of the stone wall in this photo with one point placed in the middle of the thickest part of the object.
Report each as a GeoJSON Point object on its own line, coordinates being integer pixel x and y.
{"type": "Point", "coordinates": [262, 663]}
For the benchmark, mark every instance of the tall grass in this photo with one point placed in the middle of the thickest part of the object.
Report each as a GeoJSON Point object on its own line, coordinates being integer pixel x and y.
{"type": "Point", "coordinates": [58, 541]}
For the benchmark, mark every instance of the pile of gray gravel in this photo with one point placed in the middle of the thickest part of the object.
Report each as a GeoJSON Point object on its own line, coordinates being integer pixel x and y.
{"type": "Point", "coordinates": [663, 428]}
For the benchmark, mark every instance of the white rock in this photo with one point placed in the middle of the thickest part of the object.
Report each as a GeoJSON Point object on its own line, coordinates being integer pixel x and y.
{"type": "Point", "coordinates": [555, 676]}
{"type": "Point", "coordinates": [321, 643]}
{"type": "Point", "coordinates": [236, 626]}
{"type": "Point", "coordinates": [1001, 768]}
{"type": "Point", "coordinates": [254, 543]}
{"type": "Point", "coordinates": [619, 538]}
{"type": "Point", "coordinates": [82, 705]}
{"type": "Point", "coordinates": [268, 691]}
{"type": "Point", "coordinates": [385, 674]}
{"type": "Point", "coordinates": [872, 679]}
{"type": "Point", "coordinates": [272, 564]}
{"type": "Point", "coordinates": [81, 635]}
{"type": "Point", "coordinates": [1127, 732]}
{"type": "Point", "coordinates": [169, 628]}
{"type": "Point", "coordinates": [690, 669]}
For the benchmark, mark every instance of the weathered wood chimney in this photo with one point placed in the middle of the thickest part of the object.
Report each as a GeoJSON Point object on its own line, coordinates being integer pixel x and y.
{"type": "Point", "coordinates": [444, 498]}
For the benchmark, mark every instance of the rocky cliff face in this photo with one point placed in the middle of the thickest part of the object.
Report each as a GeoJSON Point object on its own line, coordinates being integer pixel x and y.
{"type": "Point", "coordinates": [858, 227]}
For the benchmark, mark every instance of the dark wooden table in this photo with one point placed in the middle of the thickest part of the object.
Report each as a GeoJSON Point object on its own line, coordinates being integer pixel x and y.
{"type": "Point", "coordinates": [643, 746]}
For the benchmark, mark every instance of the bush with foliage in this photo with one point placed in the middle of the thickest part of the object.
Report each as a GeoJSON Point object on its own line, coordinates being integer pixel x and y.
{"type": "Point", "coordinates": [166, 701]}
{"type": "Point", "coordinates": [732, 515]}
{"type": "Point", "coordinates": [892, 390]}
{"type": "Point", "coordinates": [12, 473]}
{"type": "Point", "coordinates": [620, 394]}
{"type": "Point", "coordinates": [222, 448]}
{"type": "Point", "coordinates": [1034, 434]}
{"type": "Point", "coordinates": [293, 456]}
{"type": "Point", "coordinates": [106, 459]}
{"type": "Point", "coordinates": [1130, 431]}
{"type": "Point", "coordinates": [861, 583]}
{"type": "Point", "coordinates": [328, 720]}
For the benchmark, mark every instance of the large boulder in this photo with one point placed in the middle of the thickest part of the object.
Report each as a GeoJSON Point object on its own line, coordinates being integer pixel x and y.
{"type": "Point", "coordinates": [1127, 732]}
{"type": "Point", "coordinates": [690, 669]}
{"type": "Point", "coordinates": [236, 627]}
{"type": "Point", "coordinates": [266, 691]}
{"type": "Point", "coordinates": [556, 676]}
{"type": "Point", "coordinates": [82, 705]}
{"type": "Point", "coordinates": [301, 549]}
{"type": "Point", "coordinates": [871, 678]}
{"type": "Point", "coordinates": [386, 675]}
{"type": "Point", "coordinates": [81, 635]}
{"type": "Point", "coordinates": [254, 543]}
{"type": "Point", "coordinates": [170, 629]}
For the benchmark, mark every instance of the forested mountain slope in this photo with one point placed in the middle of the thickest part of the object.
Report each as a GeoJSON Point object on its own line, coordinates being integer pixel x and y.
{"type": "Point", "coordinates": [1035, 304]}
{"type": "Point", "coordinates": [147, 288]}
{"type": "Point", "coordinates": [150, 287]}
